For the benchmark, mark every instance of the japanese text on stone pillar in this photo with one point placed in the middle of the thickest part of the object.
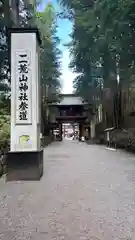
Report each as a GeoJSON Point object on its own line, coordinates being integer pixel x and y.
{"type": "Point", "coordinates": [23, 80]}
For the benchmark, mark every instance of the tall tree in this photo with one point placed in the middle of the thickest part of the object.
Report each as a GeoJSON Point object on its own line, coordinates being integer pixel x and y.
{"type": "Point", "coordinates": [50, 54]}
{"type": "Point", "coordinates": [102, 47]}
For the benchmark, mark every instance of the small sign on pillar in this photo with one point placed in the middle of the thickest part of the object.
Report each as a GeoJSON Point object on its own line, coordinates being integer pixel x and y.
{"type": "Point", "coordinates": [25, 102]}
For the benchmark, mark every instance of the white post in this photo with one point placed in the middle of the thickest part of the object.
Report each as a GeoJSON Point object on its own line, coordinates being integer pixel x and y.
{"type": "Point", "coordinates": [25, 91]}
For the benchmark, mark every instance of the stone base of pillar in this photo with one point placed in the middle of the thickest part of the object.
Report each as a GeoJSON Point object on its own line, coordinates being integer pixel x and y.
{"type": "Point", "coordinates": [24, 166]}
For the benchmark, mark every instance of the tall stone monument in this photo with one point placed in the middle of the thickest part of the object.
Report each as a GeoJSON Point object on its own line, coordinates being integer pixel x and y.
{"type": "Point", "coordinates": [25, 159]}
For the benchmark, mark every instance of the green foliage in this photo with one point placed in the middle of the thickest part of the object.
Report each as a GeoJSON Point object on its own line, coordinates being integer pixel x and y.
{"type": "Point", "coordinates": [49, 52]}
{"type": "Point", "coordinates": [4, 132]}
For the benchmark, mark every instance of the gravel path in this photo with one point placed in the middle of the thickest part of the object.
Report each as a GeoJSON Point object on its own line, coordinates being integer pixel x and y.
{"type": "Point", "coordinates": [86, 193]}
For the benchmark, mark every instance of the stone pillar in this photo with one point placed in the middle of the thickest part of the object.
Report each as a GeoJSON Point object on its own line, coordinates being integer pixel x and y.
{"type": "Point", "coordinates": [25, 105]}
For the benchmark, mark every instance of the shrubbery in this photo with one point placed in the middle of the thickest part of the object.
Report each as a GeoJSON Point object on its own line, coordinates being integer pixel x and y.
{"type": "Point", "coordinates": [4, 133]}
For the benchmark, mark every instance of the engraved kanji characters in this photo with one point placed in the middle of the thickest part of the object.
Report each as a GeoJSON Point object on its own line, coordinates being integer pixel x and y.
{"type": "Point", "coordinates": [23, 86]}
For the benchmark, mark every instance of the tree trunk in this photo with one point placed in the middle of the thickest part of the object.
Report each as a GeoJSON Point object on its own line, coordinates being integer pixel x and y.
{"type": "Point", "coordinates": [15, 12]}
{"type": "Point", "coordinates": [6, 10]}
